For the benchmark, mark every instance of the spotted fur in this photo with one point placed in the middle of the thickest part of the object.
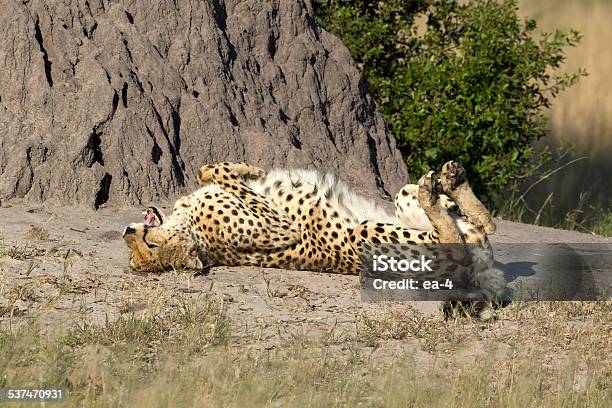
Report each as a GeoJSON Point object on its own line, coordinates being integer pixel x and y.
{"type": "Point", "coordinates": [303, 220]}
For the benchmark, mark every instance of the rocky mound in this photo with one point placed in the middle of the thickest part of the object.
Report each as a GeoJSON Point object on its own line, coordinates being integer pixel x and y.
{"type": "Point", "coordinates": [121, 103]}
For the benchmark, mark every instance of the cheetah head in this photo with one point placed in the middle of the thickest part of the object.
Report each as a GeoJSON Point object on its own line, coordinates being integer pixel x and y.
{"type": "Point", "coordinates": [168, 246]}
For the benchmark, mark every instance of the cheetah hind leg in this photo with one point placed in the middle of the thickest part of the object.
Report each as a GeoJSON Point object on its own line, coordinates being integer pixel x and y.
{"type": "Point", "coordinates": [454, 183]}
{"type": "Point", "coordinates": [215, 172]}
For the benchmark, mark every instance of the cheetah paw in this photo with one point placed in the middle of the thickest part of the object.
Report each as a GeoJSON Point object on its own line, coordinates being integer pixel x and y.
{"type": "Point", "coordinates": [208, 173]}
{"type": "Point", "coordinates": [454, 183]}
{"type": "Point", "coordinates": [428, 190]}
{"type": "Point", "coordinates": [453, 175]}
{"type": "Point", "coordinates": [248, 172]}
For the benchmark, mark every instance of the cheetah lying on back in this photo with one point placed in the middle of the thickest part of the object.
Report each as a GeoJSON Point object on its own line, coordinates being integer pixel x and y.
{"type": "Point", "coordinates": [305, 220]}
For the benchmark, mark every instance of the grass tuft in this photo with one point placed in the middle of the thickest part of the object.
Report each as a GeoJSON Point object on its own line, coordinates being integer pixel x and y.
{"type": "Point", "coordinates": [107, 366]}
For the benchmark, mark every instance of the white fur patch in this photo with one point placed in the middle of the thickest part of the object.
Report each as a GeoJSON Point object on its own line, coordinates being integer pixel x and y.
{"type": "Point", "coordinates": [329, 187]}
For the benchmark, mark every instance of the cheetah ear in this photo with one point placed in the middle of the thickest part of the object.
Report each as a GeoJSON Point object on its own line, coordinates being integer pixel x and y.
{"type": "Point", "coordinates": [159, 215]}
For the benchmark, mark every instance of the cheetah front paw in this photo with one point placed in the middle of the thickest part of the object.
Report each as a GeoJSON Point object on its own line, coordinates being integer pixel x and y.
{"type": "Point", "coordinates": [453, 176]}
{"type": "Point", "coordinates": [454, 183]}
{"type": "Point", "coordinates": [428, 190]}
{"type": "Point", "coordinates": [248, 172]}
{"type": "Point", "coordinates": [220, 171]}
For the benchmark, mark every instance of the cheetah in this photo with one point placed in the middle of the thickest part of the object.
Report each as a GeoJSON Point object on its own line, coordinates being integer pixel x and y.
{"type": "Point", "coordinates": [306, 220]}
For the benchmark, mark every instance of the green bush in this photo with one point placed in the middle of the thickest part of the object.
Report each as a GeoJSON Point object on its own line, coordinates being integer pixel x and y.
{"type": "Point", "coordinates": [467, 82]}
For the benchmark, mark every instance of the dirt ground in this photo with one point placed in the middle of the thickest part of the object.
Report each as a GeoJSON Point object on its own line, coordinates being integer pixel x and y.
{"type": "Point", "coordinates": [70, 265]}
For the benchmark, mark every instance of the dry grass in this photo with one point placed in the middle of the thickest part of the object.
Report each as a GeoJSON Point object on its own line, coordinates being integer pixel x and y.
{"type": "Point", "coordinates": [406, 323]}
{"type": "Point", "coordinates": [581, 115]}
{"type": "Point", "coordinates": [180, 352]}
{"type": "Point", "coordinates": [37, 233]}
{"type": "Point", "coordinates": [163, 346]}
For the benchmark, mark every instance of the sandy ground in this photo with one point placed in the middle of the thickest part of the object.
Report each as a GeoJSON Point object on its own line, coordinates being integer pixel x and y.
{"type": "Point", "coordinates": [70, 265]}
